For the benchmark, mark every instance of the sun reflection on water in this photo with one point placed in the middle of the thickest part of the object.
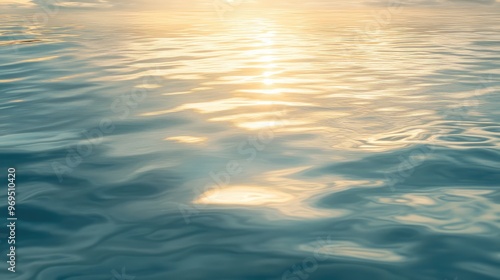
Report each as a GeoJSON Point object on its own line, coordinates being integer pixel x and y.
{"type": "Point", "coordinates": [254, 70]}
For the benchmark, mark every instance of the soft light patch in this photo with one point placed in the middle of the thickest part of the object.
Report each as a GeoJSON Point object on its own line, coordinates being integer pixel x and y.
{"type": "Point", "coordinates": [243, 195]}
{"type": "Point", "coordinates": [353, 250]}
{"type": "Point", "coordinates": [187, 139]}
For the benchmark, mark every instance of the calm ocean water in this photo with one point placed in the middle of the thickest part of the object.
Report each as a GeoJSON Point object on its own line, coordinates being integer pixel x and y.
{"type": "Point", "coordinates": [270, 145]}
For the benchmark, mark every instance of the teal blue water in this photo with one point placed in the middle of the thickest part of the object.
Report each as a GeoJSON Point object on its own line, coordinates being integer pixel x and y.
{"type": "Point", "coordinates": [276, 145]}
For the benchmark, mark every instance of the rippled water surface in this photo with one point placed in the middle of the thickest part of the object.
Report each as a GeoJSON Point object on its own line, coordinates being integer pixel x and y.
{"type": "Point", "coordinates": [268, 145]}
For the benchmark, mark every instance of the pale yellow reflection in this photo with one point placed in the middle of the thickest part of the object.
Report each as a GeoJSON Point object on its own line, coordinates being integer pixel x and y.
{"type": "Point", "coordinates": [409, 199]}
{"type": "Point", "coordinates": [39, 59]}
{"type": "Point", "coordinates": [278, 90]}
{"type": "Point", "coordinates": [177, 93]}
{"type": "Point", "coordinates": [201, 88]}
{"type": "Point", "coordinates": [241, 195]}
{"type": "Point", "coordinates": [187, 139]}
{"type": "Point", "coordinates": [11, 80]}
{"type": "Point", "coordinates": [268, 124]}
{"type": "Point", "coordinates": [272, 91]}
{"type": "Point", "coordinates": [148, 86]}
{"type": "Point", "coordinates": [289, 197]}
{"type": "Point", "coordinates": [64, 78]}
{"type": "Point", "coordinates": [353, 250]}
{"type": "Point", "coordinates": [18, 3]}
{"type": "Point", "coordinates": [224, 105]}
{"type": "Point", "coordinates": [268, 82]}
{"type": "Point", "coordinates": [288, 202]}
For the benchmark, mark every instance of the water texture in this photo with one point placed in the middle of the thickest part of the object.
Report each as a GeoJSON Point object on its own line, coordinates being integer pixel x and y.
{"type": "Point", "coordinates": [272, 145]}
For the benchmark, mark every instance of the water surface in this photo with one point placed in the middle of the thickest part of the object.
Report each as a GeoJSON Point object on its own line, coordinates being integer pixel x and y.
{"type": "Point", "coordinates": [266, 145]}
